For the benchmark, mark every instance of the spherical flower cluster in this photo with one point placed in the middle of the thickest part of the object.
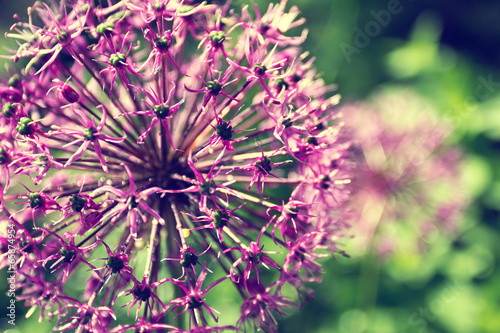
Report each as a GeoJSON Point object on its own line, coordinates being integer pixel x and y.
{"type": "Point", "coordinates": [406, 182]}
{"type": "Point", "coordinates": [165, 151]}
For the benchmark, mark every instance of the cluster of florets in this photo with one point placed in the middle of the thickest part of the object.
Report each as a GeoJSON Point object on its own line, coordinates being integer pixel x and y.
{"type": "Point", "coordinates": [406, 183]}
{"type": "Point", "coordinates": [149, 165]}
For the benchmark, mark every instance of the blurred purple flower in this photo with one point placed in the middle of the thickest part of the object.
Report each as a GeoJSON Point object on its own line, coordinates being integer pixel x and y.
{"type": "Point", "coordinates": [406, 176]}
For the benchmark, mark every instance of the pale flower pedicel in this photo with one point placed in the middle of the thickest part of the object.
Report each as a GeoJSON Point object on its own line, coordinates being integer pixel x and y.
{"type": "Point", "coordinates": [138, 130]}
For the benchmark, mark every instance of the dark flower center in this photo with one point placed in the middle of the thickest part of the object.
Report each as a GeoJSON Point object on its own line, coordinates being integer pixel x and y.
{"type": "Point", "coordinates": [254, 258]}
{"type": "Point", "coordinates": [3, 156]}
{"type": "Point", "coordinates": [281, 84]}
{"type": "Point", "coordinates": [224, 131]}
{"type": "Point", "coordinates": [24, 126]}
{"type": "Point", "coordinates": [8, 110]}
{"type": "Point", "coordinates": [217, 37]}
{"type": "Point", "coordinates": [77, 203]}
{"type": "Point", "coordinates": [264, 165]}
{"type": "Point", "coordinates": [115, 264]}
{"type": "Point", "coordinates": [214, 87]}
{"type": "Point", "coordinates": [312, 140]}
{"type": "Point", "coordinates": [14, 80]}
{"type": "Point", "coordinates": [162, 43]}
{"type": "Point", "coordinates": [264, 27]}
{"type": "Point", "coordinates": [189, 259]}
{"type": "Point", "coordinates": [259, 69]}
{"type": "Point", "coordinates": [296, 78]}
{"type": "Point", "coordinates": [35, 200]}
{"type": "Point", "coordinates": [142, 294]}
{"type": "Point", "coordinates": [300, 253]}
{"type": "Point", "coordinates": [62, 36]}
{"type": "Point", "coordinates": [195, 302]}
{"type": "Point", "coordinates": [105, 27]}
{"type": "Point", "coordinates": [117, 59]}
{"type": "Point", "coordinates": [25, 246]}
{"type": "Point", "coordinates": [87, 318]}
{"type": "Point", "coordinates": [133, 203]}
{"type": "Point", "coordinates": [293, 212]}
{"type": "Point", "coordinates": [287, 122]}
{"type": "Point", "coordinates": [89, 134]}
{"type": "Point", "coordinates": [68, 255]}
{"type": "Point", "coordinates": [42, 159]}
{"type": "Point", "coordinates": [161, 110]}
{"type": "Point", "coordinates": [325, 182]}
{"type": "Point", "coordinates": [220, 218]}
{"type": "Point", "coordinates": [334, 164]}
{"type": "Point", "coordinates": [208, 187]}
{"type": "Point", "coordinates": [159, 7]}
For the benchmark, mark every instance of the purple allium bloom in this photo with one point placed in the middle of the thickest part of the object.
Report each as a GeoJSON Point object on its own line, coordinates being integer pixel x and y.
{"type": "Point", "coordinates": [142, 152]}
{"type": "Point", "coordinates": [407, 178]}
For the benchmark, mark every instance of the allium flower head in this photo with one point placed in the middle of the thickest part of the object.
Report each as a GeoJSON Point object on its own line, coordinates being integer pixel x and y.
{"type": "Point", "coordinates": [143, 127]}
{"type": "Point", "coordinates": [407, 178]}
